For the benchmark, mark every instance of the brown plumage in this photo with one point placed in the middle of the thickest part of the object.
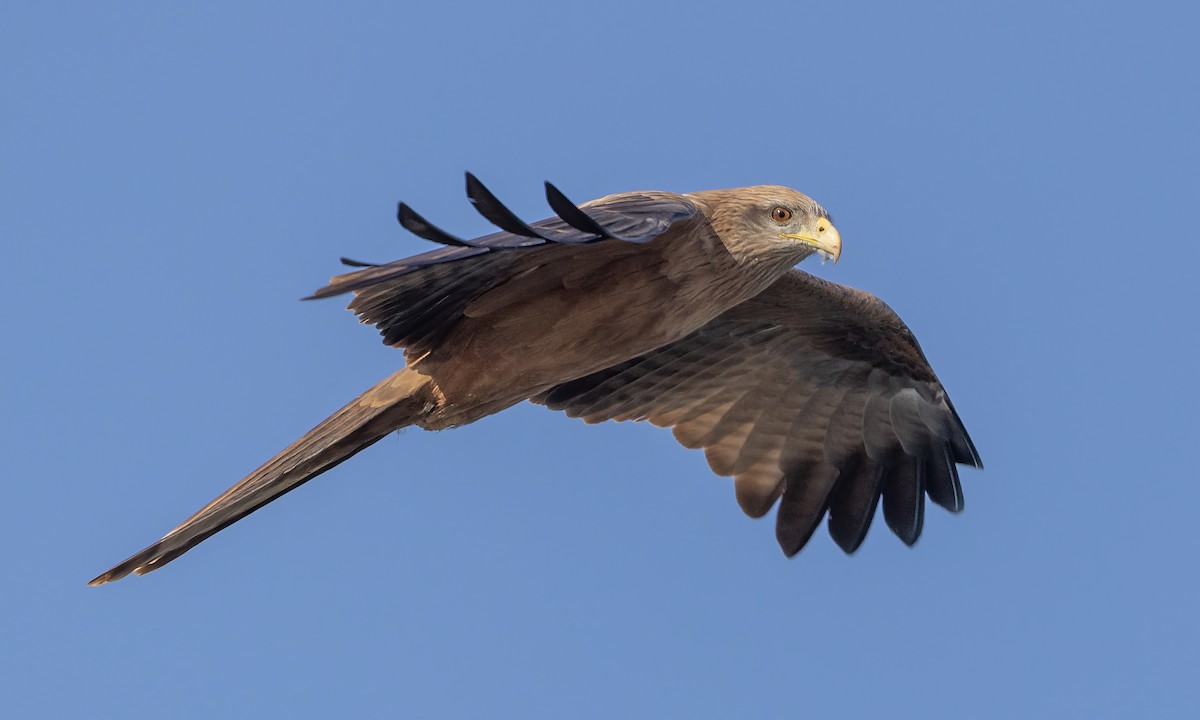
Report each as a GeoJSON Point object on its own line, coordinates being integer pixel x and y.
{"type": "Point", "coordinates": [678, 309]}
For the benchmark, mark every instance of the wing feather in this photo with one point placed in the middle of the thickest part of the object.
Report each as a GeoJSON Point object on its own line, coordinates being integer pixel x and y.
{"type": "Point", "coordinates": [853, 504]}
{"type": "Point", "coordinates": [812, 394]}
{"type": "Point", "coordinates": [941, 476]}
{"type": "Point", "coordinates": [416, 301]}
{"type": "Point", "coordinates": [903, 503]}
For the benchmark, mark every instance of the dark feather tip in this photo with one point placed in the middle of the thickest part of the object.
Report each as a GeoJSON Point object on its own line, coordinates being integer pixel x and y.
{"type": "Point", "coordinates": [422, 228]}
{"type": "Point", "coordinates": [495, 212]}
{"type": "Point", "coordinates": [572, 214]}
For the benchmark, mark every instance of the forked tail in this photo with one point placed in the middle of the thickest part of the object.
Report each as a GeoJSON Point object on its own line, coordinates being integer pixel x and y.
{"type": "Point", "coordinates": [398, 401]}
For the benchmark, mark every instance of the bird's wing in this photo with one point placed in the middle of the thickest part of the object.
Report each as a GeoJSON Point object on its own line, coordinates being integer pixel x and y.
{"type": "Point", "coordinates": [414, 300]}
{"type": "Point", "coordinates": [813, 392]}
{"type": "Point", "coordinates": [635, 217]}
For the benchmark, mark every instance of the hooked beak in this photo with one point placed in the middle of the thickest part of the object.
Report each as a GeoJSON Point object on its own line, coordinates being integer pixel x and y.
{"type": "Point", "coordinates": [826, 240]}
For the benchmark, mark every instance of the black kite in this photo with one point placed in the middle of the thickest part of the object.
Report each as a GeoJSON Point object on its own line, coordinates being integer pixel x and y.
{"type": "Point", "coordinates": [680, 309]}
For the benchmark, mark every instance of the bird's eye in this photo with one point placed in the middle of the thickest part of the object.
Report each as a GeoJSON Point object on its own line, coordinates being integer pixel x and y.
{"type": "Point", "coordinates": [781, 215]}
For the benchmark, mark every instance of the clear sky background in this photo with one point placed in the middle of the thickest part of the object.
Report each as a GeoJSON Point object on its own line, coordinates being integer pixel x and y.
{"type": "Point", "coordinates": [1017, 180]}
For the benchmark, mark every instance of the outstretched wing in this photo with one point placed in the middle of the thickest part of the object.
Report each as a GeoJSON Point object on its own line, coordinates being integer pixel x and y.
{"type": "Point", "coordinates": [414, 301]}
{"type": "Point", "coordinates": [812, 392]}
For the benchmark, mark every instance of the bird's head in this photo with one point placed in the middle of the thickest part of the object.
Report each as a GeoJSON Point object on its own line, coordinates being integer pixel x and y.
{"type": "Point", "coordinates": [771, 221]}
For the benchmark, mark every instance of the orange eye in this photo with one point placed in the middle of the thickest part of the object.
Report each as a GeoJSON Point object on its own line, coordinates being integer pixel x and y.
{"type": "Point", "coordinates": [781, 215]}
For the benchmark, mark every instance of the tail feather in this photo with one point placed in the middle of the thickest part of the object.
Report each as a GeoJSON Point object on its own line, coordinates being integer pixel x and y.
{"type": "Point", "coordinates": [398, 401]}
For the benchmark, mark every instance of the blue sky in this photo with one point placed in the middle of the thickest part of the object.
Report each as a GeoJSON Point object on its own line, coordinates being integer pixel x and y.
{"type": "Point", "coordinates": [1017, 181]}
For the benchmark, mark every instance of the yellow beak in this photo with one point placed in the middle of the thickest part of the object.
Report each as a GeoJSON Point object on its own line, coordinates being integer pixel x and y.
{"type": "Point", "coordinates": [826, 240]}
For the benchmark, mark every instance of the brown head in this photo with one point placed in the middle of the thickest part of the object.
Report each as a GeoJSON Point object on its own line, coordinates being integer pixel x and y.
{"type": "Point", "coordinates": [770, 222]}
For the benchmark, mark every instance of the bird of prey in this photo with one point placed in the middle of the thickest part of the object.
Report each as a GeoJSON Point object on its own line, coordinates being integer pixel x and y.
{"type": "Point", "coordinates": [680, 309]}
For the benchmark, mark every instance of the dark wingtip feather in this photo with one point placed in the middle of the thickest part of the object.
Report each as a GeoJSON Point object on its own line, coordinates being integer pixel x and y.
{"type": "Point", "coordinates": [941, 479]}
{"type": "Point", "coordinates": [904, 500]}
{"type": "Point", "coordinates": [572, 214]}
{"type": "Point", "coordinates": [495, 212]}
{"type": "Point", "coordinates": [803, 505]}
{"type": "Point", "coordinates": [422, 228]}
{"type": "Point", "coordinates": [356, 263]}
{"type": "Point", "coordinates": [964, 448]}
{"type": "Point", "coordinates": [853, 504]}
